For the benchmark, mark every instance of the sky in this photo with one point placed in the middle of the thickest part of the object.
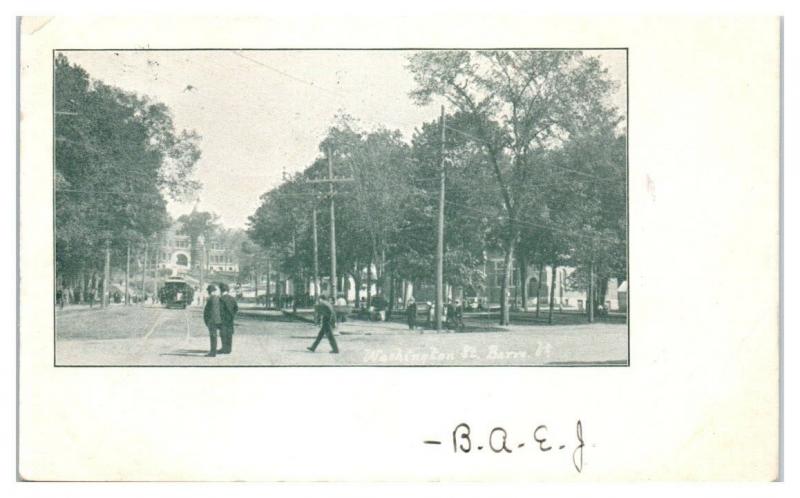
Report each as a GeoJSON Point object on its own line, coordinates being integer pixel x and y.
{"type": "Point", "coordinates": [261, 113]}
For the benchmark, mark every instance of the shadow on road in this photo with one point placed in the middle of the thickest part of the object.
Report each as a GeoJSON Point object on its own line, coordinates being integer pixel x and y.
{"type": "Point", "coordinates": [187, 352]}
{"type": "Point", "coordinates": [263, 317]}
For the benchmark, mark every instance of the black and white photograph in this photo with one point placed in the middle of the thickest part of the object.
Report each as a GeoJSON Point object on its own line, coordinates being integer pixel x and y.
{"type": "Point", "coordinates": [322, 249]}
{"type": "Point", "coordinates": [340, 207]}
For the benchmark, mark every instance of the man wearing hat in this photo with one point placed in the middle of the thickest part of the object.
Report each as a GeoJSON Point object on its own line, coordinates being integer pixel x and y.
{"type": "Point", "coordinates": [229, 309]}
{"type": "Point", "coordinates": [327, 314]}
{"type": "Point", "coordinates": [212, 315]}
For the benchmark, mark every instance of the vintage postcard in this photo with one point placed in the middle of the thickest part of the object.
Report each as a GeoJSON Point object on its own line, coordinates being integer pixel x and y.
{"type": "Point", "coordinates": [419, 233]}
{"type": "Point", "coordinates": [469, 207]}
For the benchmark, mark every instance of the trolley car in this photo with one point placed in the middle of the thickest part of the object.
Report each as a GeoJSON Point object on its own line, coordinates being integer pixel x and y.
{"type": "Point", "coordinates": [176, 293]}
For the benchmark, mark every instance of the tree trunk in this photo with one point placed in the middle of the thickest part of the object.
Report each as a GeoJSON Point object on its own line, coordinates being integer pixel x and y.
{"type": "Point", "coordinates": [507, 268]}
{"type": "Point", "coordinates": [380, 274]}
{"type": "Point", "coordinates": [268, 293]}
{"type": "Point", "coordinates": [279, 292]}
{"type": "Point", "coordinates": [552, 292]}
{"type": "Point", "coordinates": [369, 284]}
{"type": "Point", "coordinates": [196, 262]}
{"type": "Point", "coordinates": [255, 285]}
{"type": "Point", "coordinates": [539, 289]}
{"type": "Point", "coordinates": [82, 283]}
{"type": "Point", "coordinates": [600, 290]}
{"type": "Point", "coordinates": [295, 288]}
{"type": "Point", "coordinates": [390, 306]}
{"type": "Point", "coordinates": [357, 279]}
{"type": "Point", "coordinates": [523, 281]}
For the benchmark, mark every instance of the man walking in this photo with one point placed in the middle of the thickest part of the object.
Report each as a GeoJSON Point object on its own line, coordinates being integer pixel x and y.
{"type": "Point", "coordinates": [327, 313]}
{"type": "Point", "coordinates": [212, 315]}
{"type": "Point", "coordinates": [229, 310]}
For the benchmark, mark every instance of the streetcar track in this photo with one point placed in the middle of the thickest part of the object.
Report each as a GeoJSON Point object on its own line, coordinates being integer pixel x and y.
{"type": "Point", "coordinates": [155, 324]}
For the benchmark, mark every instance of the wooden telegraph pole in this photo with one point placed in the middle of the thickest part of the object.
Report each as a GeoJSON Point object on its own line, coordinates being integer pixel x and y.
{"type": "Point", "coordinates": [440, 237]}
{"type": "Point", "coordinates": [333, 228]}
{"type": "Point", "coordinates": [316, 257]}
{"type": "Point", "coordinates": [202, 251]}
{"type": "Point", "coordinates": [330, 181]}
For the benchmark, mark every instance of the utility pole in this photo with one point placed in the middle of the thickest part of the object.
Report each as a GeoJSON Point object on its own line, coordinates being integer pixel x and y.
{"type": "Point", "coordinates": [440, 237]}
{"type": "Point", "coordinates": [330, 181]}
{"type": "Point", "coordinates": [333, 228]}
{"type": "Point", "coordinates": [106, 274]}
{"type": "Point", "coordinates": [202, 251]}
{"type": "Point", "coordinates": [127, 274]}
{"type": "Point", "coordinates": [316, 257]}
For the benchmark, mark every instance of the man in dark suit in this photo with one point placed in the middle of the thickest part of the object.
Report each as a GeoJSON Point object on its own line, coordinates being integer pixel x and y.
{"type": "Point", "coordinates": [212, 315]}
{"type": "Point", "coordinates": [327, 314]}
{"type": "Point", "coordinates": [411, 314]}
{"type": "Point", "coordinates": [229, 310]}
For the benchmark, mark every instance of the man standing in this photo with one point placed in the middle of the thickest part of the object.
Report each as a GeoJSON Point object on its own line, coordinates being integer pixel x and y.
{"type": "Point", "coordinates": [341, 309]}
{"type": "Point", "coordinates": [229, 310]}
{"type": "Point", "coordinates": [212, 315]}
{"type": "Point", "coordinates": [327, 313]}
{"type": "Point", "coordinates": [411, 314]}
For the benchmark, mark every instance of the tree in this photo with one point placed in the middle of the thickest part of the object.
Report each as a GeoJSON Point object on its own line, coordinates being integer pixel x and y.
{"type": "Point", "coordinates": [195, 225]}
{"type": "Point", "coordinates": [117, 158]}
{"type": "Point", "coordinates": [598, 229]}
{"type": "Point", "coordinates": [470, 205]}
{"type": "Point", "coordinates": [368, 208]}
{"type": "Point", "coordinates": [521, 102]}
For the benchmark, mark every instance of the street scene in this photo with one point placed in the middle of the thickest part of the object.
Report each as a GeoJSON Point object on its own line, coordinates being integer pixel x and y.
{"type": "Point", "coordinates": [341, 208]}
{"type": "Point", "coordinates": [153, 335]}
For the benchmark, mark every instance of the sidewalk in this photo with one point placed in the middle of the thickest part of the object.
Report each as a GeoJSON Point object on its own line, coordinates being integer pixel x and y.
{"type": "Point", "coordinates": [69, 308]}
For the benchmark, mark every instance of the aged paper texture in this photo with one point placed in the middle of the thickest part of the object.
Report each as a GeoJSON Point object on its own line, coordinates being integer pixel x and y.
{"type": "Point", "coordinates": [683, 386]}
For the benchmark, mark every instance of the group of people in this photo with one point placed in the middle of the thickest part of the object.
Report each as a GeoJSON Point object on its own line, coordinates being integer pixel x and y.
{"type": "Point", "coordinates": [221, 308]}
{"type": "Point", "coordinates": [453, 314]}
{"type": "Point", "coordinates": [219, 314]}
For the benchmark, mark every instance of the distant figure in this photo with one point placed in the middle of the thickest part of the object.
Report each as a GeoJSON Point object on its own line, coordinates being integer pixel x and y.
{"type": "Point", "coordinates": [411, 314]}
{"type": "Point", "coordinates": [327, 314]}
{"type": "Point", "coordinates": [91, 298]}
{"type": "Point", "coordinates": [455, 316]}
{"type": "Point", "coordinates": [431, 313]}
{"type": "Point", "coordinates": [229, 310]}
{"type": "Point", "coordinates": [212, 315]}
{"type": "Point", "coordinates": [380, 304]}
{"type": "Point", "coordinates": [60, 298]}
{"type": "Point", "coordinates": [341, 313]}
